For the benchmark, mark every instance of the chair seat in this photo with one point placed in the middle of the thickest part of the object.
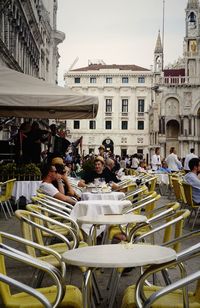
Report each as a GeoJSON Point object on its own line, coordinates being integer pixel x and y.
{"type": "Point", "coordinates": [72, 298]}
{"type": "Point", "coordinates": [172, 300]}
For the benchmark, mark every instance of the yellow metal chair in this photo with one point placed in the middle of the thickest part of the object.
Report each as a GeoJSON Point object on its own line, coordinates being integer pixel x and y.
{"type": "Point", "coordinates": [192, 205]}
{"type": "Point", "coordinates": [56, 214]}
{"type": "Point", "coordinates": [168, 296]}
{"type": "Point", "coordinates": [178, 190]}
{"type": "Point", "coordinates": [172, 228]}
{"type": "Point", "coordinates": [5, 196]}
{"type": "Point", "coordinates": [59, 295]}
{"type": "Point", "coordinates": [147, 203]}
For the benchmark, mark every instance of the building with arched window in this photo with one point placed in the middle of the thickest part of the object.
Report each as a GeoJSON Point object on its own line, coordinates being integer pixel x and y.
{"type": "Point", "coordinates": [122, 122]}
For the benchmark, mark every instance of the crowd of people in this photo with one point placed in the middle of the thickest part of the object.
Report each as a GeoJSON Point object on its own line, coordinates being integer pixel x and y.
{"type": "Point", "coordinates": [109, 167]}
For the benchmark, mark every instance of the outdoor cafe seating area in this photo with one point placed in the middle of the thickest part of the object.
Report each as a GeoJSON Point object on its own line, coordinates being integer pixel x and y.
{"type": "Point", "coordinates": [137, 246]}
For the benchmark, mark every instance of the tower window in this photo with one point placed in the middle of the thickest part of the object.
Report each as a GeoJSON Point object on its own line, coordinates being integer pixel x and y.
{"type": "Point", "coordinates": [192, 17]}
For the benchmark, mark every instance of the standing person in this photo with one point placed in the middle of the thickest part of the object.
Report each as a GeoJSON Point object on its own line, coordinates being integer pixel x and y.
{"type": "Point", "coordinates": [35, 137]}
{"type": "Point", "coordinates": [172, 161]}
{"type": "Point", "coordinates": [155, 160]}
{"type": "Point", "coordinates": [101, 149]}
{"type": "Point", "coordinates": [21, 145]}
{"type": "Point", "coordinates": [57, 146]}
{"type": "Point", "coordinates": [187, 159]}
{"type": "Point", "coordinates": [135, 162]}
{"type": "Point", "coordinates": [192, 179]}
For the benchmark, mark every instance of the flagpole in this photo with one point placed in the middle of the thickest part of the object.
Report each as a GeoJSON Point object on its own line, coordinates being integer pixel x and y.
{"type": "Point", "coordinates": [163, 32]}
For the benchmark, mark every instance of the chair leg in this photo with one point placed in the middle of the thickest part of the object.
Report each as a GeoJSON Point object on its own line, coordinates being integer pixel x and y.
{"type": "Point", "coordinates": [114, 288]}
{"type": "Point", "coordinates": [10, 206]}
{"type": "Point", "coordinates": [7, 207]}
{"type": "Point", "coordinates": [3, 210]}
{"type": "Point", "coordinates": [195, 218]}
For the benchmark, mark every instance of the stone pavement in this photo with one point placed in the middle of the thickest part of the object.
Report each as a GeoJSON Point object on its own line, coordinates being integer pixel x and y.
{"type": "Point", "coordinates": [73, 274]}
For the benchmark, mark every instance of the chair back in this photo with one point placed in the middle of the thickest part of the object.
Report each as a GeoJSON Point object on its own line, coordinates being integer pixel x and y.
{"type": "Point", "coordinates": [188, 193]}
{"type": "Point", "coordinates": [5, 293]}
{"type": "Point", "coordinates": [178, 190]}
{"type": "Point", "coordinates": [175, 230]}
{"type": "Point", "coordinates": [9, 188]}
{"type": "Point", "coordinates": [27, 230]}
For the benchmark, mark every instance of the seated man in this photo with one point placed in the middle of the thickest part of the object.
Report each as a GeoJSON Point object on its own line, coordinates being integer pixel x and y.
{"type": "Point", "coordinates": [192, 179]}
{"type": "Point", "coordinates": [99, 172]}
{"type": "Point", "coordinates": [50, 174]}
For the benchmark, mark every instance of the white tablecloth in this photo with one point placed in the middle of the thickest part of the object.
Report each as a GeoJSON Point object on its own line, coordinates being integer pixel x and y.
{"type": "Point", "coordinates": [102, 196]}
{"type": "Point", "coordinates": [26, 189]}
{"type": "Point", "coordinates": [162, 178]}
{"type": "Point", "coordinates": [97, 207]}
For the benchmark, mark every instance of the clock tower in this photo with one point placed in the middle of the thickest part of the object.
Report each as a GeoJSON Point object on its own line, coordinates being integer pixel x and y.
{"type": "Point", "coordinates": [192, 40]}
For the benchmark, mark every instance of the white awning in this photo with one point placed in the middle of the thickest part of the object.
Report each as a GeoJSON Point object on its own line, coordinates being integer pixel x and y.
{"type": "Point", "coordinates": [28, 97]}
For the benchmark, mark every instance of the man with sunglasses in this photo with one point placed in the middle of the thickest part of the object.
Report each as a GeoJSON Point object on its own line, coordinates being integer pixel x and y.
{"type": "Point", "coordinates": [49, 175]}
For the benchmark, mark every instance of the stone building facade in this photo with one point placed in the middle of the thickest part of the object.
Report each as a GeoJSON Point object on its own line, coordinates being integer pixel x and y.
{"type": "Point", "coordinates": [175, 114]}
{"type": "Point", "coordinates": [29, 37]}
{"type": "Point", "coordinates": [125, 95]}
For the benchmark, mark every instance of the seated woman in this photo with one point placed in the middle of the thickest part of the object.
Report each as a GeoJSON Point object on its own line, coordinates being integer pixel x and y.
{"type": "Point", "coordinates": [100, 171]}
{"type": "Point", "coordinates": [142, 167]}
{"type": "Point", "coordinates": [63, 184]}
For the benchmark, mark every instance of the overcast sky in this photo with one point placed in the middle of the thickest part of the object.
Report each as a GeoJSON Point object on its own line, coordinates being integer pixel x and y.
{"type": "Point", "coordinates": [118, 31]}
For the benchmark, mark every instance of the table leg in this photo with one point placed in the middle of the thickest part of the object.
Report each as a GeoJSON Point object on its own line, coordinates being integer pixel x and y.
{"type": "Point", "coordinates": [87, 289]}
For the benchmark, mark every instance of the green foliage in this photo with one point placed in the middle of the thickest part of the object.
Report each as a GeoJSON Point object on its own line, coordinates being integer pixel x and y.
{"type": "Point", "coordinates": [20, 172]}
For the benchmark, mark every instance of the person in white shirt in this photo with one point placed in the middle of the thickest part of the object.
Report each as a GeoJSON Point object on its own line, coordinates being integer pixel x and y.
{"type": "Point", "coordinates": [135, 162]}
{"type": "Point", "coordinates": [188, 157]}
{"type": "Point", "coordinates": [155, 160]}
{"type": "Point", "coordinates": [50, 174]}
{"type": "Point", "coordinates": [172, 160]}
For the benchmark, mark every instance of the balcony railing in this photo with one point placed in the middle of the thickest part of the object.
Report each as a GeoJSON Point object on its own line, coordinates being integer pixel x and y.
{"type": "Point", "coordinates": [180, 80]}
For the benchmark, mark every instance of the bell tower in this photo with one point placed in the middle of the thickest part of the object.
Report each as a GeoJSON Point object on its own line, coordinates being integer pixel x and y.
{"type": "Point", "coordinates": [158, 55]}
{"type": "Point", "coordinates": [192, 40]}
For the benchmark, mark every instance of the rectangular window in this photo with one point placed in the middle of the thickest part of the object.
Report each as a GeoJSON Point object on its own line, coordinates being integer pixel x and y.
{"type": "Point", "coordinates": [77, 79]}
{"type": "Point", "coordinates": [76, 124]}
{"type": "Point", "coordinates": [108, 105]}
{"type": "Point", "coordinates": [141, 79]}
{"type": "Point", "coordinates": [92, 124]}
{"type": "Point", "coordinates": [140, 105]}
{"type": "Point", "coordinates": [93, 80]}
{"type": "Point", "coordinates": [124, 105]}
{"type": "Point", "coordinates": [108, 125]}
{"type": "Point", "coordinates": [124, 124]}
{"type": "Point", "coordinates": [124, 79]}
{"type": "Point", "coordinates": [108, 79]}
{"type": "Point", "coordinates": [140, 125]}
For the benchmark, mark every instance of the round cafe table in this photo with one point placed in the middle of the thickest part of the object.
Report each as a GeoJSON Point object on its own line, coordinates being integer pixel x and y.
{"type": "Point", "coordinates": [115, 256]}
{"type": "Point", "coordinates": [108, 220]}
{"type": "Point", "coordinates": [98, 207]}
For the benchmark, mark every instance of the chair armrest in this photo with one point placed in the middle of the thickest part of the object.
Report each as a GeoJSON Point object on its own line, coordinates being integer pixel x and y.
{"type": "Point", "coordinates": [27, 289]}
{"type": "Point", "coordinates": [36, 246]}
{"type": "Point", "coordinates": [30, 261]}
{"type": "Point", "coordinates": [172, 287]}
